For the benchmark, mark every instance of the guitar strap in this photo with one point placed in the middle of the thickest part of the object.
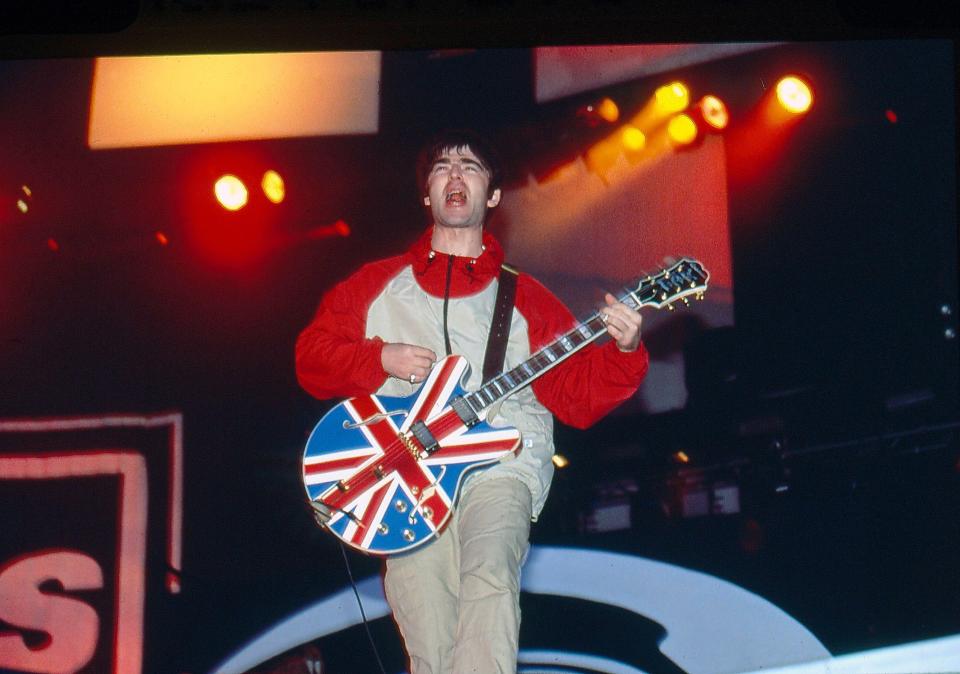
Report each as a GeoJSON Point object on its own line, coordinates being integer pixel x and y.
{"type": "Point", "coordinates": [500, 327]}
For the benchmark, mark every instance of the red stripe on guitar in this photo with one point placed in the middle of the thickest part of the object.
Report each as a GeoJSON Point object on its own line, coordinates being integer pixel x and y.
{"type": "Point", "coordinates": [370, 513]}
{"type": "Point", "coordinates": [382, 430]}
{"type": "Point", "coordinates": [337, 464]}
{"type": "Point", "coordinates": [415, 475]}
{"type": "Point", "coordinates": [436, 388]}
{"type": "Point", "coordinates": [466, 451]}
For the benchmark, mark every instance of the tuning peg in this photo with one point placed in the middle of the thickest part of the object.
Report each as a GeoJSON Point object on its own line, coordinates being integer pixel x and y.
{"type": "Point", "coordinates": [699, 296]}
{"type": "Point", "coordinates": [670, 307]}
{"type": "Point", "coordinates": [686, 302]}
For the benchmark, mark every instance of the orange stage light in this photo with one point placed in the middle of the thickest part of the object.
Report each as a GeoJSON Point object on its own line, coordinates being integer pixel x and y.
{"type": "Point", "coordinates": [162, 238]}
{"type": "Point", "coordinates": [714, 112]}
{"type": "Point", "coordinates": [794, 94]}
{"type": "Point", "coordinates": [608, 110]}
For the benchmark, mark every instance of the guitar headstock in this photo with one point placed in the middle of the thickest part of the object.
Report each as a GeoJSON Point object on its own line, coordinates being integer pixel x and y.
{"type": "Point", "coordinates": [684, 279]}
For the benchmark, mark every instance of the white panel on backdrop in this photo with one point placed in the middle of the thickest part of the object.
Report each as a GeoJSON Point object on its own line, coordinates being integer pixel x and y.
{"type": "Point", "coordinates": [167, 100]}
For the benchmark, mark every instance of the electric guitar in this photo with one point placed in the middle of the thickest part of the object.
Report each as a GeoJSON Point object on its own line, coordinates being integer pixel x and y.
{"type": "Point", "coordinates": [383, 473]}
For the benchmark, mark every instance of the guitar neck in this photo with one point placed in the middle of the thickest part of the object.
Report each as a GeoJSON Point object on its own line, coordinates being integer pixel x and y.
{"type": "Point", "coordinates": [686, 277]}
{"type": "Point", "coordinates": [511, 381]}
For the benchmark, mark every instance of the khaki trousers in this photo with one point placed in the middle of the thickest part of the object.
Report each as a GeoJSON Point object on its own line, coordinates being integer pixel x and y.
{"type": "Point", "coordinates": [457, 600]}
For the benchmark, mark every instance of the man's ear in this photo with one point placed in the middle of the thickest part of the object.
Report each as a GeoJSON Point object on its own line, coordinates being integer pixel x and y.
{"type": "Point", "coordinates": [494, 198]}
{"type": "Point", "coordinates": [426, 201]}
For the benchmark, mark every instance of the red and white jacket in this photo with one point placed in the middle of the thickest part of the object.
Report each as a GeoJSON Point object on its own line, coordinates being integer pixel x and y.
{"type": "Point", "coordinates": [400, 299]}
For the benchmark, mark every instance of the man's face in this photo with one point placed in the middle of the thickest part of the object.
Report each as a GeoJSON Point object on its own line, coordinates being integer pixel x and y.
{"type": "Point", "coordinates": [457, 189]}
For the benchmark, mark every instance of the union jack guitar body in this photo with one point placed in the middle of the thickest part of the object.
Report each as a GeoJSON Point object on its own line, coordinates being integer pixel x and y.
{"type": "Point", "coordinates": [383, 473]}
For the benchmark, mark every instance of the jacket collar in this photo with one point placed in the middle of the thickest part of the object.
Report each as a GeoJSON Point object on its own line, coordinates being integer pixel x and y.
{"type": "Point", "coordinates": [468, 275]}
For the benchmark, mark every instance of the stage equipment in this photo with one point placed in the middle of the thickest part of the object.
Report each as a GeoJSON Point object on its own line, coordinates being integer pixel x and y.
{"type": "Point", "coordinates": [273, 186]}
{"type": "Point", "coordinates": [714, 112]}
{"type": "Point", "coordinates": [794, 94]}
{"type": "Point", "coordinates": [231, 192]}
{"type": "Point", "coordinates": [682, 130]}
{"type": "Point", "coordinates": [673, 97]}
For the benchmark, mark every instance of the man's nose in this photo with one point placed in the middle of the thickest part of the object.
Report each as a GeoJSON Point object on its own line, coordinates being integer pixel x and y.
{"type": "Point", "coordinates": [456, 170]}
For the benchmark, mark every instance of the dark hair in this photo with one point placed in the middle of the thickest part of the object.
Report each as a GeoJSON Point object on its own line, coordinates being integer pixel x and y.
{"type": "Point", "coordinates": [457, 139]}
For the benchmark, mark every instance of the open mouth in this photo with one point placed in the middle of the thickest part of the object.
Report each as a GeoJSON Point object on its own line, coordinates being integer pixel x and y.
{"type": "Point", "coordinates": [456, 198]}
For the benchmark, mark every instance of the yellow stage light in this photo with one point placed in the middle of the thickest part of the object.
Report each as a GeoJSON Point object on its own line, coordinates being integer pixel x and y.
{"type": "Point", "coordinates": [682, 129]}
{"type": "Point", "coordinates": [560, 461]}
{"type": "Point", "coordinates": [273, 186]}
{"type": "Point", "coordinates": [633, 138]}
{"type": "Point", "coordinates": [794, 94]}
{"type": "Point", "coordinates": [231, 192]}
{"type": "Point", "coordinates": [672, 97]}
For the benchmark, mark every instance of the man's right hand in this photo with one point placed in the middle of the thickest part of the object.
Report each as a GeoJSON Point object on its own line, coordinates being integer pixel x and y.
{"type": "Point", "coordinates": [406, 361]}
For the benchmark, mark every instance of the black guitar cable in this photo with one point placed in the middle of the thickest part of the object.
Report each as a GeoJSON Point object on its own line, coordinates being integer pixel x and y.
{"type": "Point", "coordinates": [320, 516]}
{"type": "Point", "coordinates": [356, 592]}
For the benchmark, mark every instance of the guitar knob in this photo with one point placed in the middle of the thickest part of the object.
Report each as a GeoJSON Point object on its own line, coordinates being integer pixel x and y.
{"type": "Point", "coordinates": [401, 506]}
{"type": "Point", "coordinates": [383, 528]}
{"type": "Point", "coordinates": [408, 536]}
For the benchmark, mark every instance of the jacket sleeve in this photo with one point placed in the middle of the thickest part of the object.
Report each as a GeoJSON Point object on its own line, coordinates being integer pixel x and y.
{"type": "Point", "coordinates": [334, 358]}
{"type": "Point", "coordinates": [592, 382]}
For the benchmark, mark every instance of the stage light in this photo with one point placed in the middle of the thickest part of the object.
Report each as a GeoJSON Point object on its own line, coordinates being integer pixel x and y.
{"type": "Point", "coordinates": [672, 97]}
{"type": "Point", "coordinates": [231, 192]}
{"type": "Point", "coordinates": [794, 94]}
{"type": "Point", "coordinates": [53, 245]}
{"type": "Point", "coordinates": [23, 204]}
{"type": "Point", "coordinates": [891, 116]}
{"type": "Point", "coordinates": [161, 238]}
{"type": "Point", "coordinates": [342, 228]}
{"type": "Point", "coordinates": [604, 110]}
{"type": "Point", "coordinates": [560, 461]}
{"type": "Point", "coordinates": [633, 138]}
{"type": "Point", "coordinates": [714, 112]}
{"type": "Point", "coordinates": [681, 456]}
{"type": "Point", "coordinates": [273, 186]}
{"type": "Point", "coordinates": [608, 110]}
{"type": "Point", "coordinates": [682, 130]}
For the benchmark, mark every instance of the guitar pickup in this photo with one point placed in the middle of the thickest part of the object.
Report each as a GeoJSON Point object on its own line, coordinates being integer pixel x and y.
{"type": "Point", "coordinates": [425, 437]}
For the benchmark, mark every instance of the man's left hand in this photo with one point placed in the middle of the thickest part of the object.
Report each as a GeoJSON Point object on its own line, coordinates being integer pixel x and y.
{"type": "Point", "coordinates": [623, 323]}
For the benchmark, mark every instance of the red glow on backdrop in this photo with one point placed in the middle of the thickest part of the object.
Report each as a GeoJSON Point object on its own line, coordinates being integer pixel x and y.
{"type": "Point", "coordinates": [339, 228]}
{"type": "Point", "coordinates": [758, 139]}
{"type": "Point", "coordinates": [162, 238]}
{"type": "Point", "coordinates": [228, 238]}
{"type": "Point", "coordinates": [53, 245]}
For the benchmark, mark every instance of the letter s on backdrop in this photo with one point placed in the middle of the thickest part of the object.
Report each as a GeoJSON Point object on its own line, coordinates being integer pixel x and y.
{"type": "Point", "coordinates": [73, 626]}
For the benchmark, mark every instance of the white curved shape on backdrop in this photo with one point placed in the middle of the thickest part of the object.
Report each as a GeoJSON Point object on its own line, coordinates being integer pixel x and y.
{"type": "Point", "coordinates": [713, 626]}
